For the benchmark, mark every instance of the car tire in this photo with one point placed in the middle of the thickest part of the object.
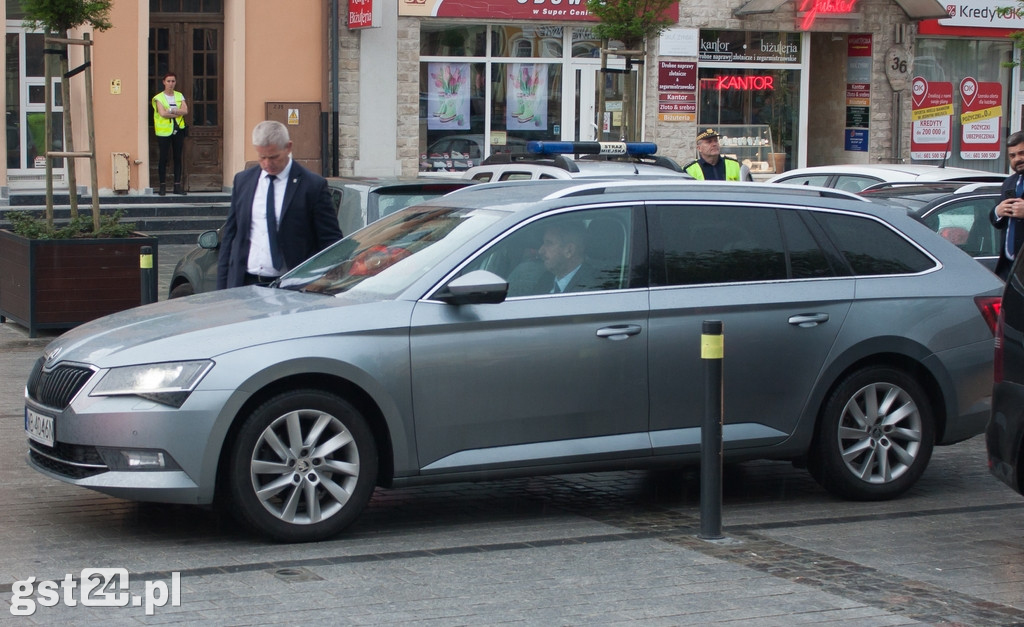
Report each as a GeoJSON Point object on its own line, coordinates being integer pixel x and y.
{"type": "Point", "coordinates": [302, 467]}
{"type": "Point", "coordinates": [182, 289]}
{"type": "Point", "coordinates": [875, 436]}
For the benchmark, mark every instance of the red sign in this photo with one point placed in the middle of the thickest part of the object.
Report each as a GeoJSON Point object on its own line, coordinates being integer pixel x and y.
{"type": "Point", "coordinates": [360, 13]}
{"type": "Point", "coordinates": [932, 114]}
{"type": "Point", "coordinates": [677, 76]}
{"type": "Point", "coordinates": [813, 8]}
{"type": "Point", "coordinates": [980, 119]}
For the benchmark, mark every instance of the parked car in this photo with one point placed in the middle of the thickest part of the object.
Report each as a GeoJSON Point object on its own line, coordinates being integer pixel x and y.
{"type": "Point", "coordinates": [856, 177]}
{"type": "Point", "coordinates": [359, 201]}
{"type": "Point", "coordinates": [548, 160]}
{"type": "Point", "coordinates": [958, 211]}
{"type": "Point", "coordinates": [1004, 437]}
{"type": "Point", "coordinates": [431, 346]}
{"type": "Point", "coordinates": [458, 153]}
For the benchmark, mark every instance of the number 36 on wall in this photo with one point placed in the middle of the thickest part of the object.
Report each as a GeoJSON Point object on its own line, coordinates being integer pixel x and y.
{"type": "Point", "coordinates": [899, 67]}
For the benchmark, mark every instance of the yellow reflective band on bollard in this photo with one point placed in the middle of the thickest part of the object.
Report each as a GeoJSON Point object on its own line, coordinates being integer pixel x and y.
{"type": "Point", "coordinates": [146, 262]}
{"type": "Point", "coordinates": [712, 346]}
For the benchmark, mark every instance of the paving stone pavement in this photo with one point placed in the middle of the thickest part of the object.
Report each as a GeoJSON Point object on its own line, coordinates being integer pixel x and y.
{"type": "Point", "coordinates": [584, 549]}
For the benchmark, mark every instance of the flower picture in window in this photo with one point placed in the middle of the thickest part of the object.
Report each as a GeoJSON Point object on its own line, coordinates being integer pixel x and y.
{"type": "Point", "coordinates": [448, 102]}
{"type": "Point", "coordinates": [527, 96]}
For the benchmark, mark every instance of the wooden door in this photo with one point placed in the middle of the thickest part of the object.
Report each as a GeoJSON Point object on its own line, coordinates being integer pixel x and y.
{"type": "Point", "coordinates": [194, 51]}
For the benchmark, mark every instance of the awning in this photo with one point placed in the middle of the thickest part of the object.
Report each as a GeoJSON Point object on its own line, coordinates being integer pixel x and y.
{"type": "Point", "coordinates": [915, 9]}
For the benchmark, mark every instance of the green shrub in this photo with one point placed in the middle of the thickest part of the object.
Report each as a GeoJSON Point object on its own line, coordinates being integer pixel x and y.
{"type": "Point", "coordinates": [33, 227]}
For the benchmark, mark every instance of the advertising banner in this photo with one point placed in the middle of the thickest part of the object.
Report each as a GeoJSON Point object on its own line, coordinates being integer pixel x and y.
{"type": "Point", "coordinates": [527, 97]}
{"type": "Point", "coordinates": [932, 116]}
{"type": "Point", "coordinates": [980, 119]}
{"type": "Point", "coordinates": [448, 96]}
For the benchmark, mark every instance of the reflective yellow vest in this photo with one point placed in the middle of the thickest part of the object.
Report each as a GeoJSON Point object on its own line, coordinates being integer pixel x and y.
{"type": "Point", "coordinates": [163, 126]}
{"type": "Point", "coordinates": [732, 170]}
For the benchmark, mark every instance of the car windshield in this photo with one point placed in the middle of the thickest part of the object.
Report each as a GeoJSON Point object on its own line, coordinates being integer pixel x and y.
{"type": "Point", "coordinates": [385, 258]}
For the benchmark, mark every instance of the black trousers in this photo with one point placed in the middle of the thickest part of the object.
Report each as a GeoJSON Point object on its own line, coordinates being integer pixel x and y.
{"type": "Point", "coordinates": [171, 144]}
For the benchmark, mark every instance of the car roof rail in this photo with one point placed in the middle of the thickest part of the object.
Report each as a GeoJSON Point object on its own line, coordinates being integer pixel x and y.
{"type": "Point", "coordinates": [585, 188]}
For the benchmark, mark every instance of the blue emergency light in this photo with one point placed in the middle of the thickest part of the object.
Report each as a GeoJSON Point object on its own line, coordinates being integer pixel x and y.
{"type": "Point", "coordinates": [632, 149]}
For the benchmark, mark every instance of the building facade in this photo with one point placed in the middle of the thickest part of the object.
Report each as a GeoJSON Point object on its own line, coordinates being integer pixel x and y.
{"type": "Point", "coordinates": [403, 87]}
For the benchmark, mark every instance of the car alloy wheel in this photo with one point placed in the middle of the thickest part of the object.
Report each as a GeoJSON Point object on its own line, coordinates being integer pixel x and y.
{"type": "Point", "coordinates": [875, 437]}
{"type": "Point", "coordinates": [303, 466]}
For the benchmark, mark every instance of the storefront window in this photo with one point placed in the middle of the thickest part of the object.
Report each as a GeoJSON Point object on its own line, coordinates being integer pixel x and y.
{"type": "Point", "coordinates": [755, 107]}
{"type": "Point", "coordinates": [953, 60]}
{"type": "Point", "coordinates": [472, 109]}
{"type": "Point", "coordinates": [452, 41]}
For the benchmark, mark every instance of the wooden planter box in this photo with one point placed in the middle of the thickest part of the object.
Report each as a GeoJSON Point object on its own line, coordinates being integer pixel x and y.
{"type": "Point", "coordinates": [59, 284]}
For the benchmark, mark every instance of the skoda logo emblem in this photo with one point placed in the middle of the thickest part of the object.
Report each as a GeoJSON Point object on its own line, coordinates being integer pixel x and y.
{"type": "Point", "coordinates": [51, 357]}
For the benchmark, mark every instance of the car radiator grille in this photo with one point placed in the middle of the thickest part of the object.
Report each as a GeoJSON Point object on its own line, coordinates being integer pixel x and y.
{"type": "Point", "coordinates": [56, 388]}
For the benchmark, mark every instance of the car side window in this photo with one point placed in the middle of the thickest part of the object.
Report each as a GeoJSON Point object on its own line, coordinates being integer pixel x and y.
{"type": "Point", "coordinates": [587, 251]}
{"type": "Point", "coordinates": [712, 244]}
{"type": "Point", "coordinates": [870, 247]}
{"type": "Point", "coordinates": [818, 180]}
{"type": "Point", "coordinates": [966, 223]}
{"type": "Point", "coordinates": [854, 183]}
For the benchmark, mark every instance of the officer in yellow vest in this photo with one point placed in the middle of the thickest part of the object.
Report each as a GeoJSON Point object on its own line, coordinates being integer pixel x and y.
{"type": "Point", "coordinates": [711, 165]}
{"type": "Point", "coordinates": [169, 109]}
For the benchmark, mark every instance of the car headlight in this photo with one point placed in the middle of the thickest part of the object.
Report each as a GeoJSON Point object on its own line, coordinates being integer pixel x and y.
{"type": "Point", "coordinates": [168, 383]}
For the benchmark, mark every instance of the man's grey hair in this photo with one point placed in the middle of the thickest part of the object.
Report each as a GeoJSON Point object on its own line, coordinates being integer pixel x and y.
{"type": "Point", "coordinates": [270, 133]}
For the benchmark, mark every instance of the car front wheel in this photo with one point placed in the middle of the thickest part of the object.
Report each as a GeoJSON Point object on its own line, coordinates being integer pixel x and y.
{"type": "Point", "coordinates": [181, 290]}
{"type": "Point", "coordinates": [875, 436]}
{"type": "Point", "coordinates": [303, 466]}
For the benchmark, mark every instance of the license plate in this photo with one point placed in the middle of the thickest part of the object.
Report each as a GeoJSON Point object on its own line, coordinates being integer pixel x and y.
{"type": "Point", "coordinates": [39, 427]}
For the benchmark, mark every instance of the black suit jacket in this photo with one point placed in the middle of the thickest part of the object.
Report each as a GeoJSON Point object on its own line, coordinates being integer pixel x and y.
{"type": "Point", "coordinates": [308, 222]}
{"type": "Point", "coordinates": [586, 279]}
{"type": "Point", "coordinates": [1009, 189]}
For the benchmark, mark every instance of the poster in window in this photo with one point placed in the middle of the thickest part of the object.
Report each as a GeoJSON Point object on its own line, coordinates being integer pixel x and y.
{"type": "Point", "coordinates": [527, 97]}
{"type": "Point", "coordinates": [931, 115]}
{"type": "Point", "coordinates": [448, 98]}
{"type": "Point", "coordinates": [981, 106]}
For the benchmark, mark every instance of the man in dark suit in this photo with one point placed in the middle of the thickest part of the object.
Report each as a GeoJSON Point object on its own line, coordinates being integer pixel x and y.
{"type": "Point", "coordinates": [281, 214]}
{"type": "Point", "coordinates": [563, 254]}
{"type": "Point", "coordinates": [1008, 215]}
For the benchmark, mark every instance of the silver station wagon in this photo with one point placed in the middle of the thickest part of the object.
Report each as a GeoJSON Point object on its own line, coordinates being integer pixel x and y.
{"type": "Point", "coordinates": [530, 328]}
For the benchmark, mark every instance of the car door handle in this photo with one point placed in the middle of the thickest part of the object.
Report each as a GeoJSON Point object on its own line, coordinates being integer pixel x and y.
{"type": "Point", "coordinates": [619, 331]}
{"type": "Point", "coordinates": [808, 320]}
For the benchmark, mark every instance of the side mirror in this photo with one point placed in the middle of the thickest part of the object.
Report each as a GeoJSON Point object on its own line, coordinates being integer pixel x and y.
{"type": "Point", "coordinates": [479, 287]}
{"type": "Point", "coordinates": [209, 240]}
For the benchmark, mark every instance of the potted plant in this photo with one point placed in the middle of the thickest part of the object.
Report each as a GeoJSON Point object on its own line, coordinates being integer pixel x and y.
{"type": "Point", "coordinates": [60, 276]}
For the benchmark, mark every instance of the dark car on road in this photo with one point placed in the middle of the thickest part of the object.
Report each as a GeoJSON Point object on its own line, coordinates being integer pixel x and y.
{"type": "Point", "coordinates": [358, 201]}
{"type": "Point", "coordinates": [435, 345]}
{"type": "Point", "coordinates": [1004, 437]}
{"type": "Point", "coordinates": [958, 211]}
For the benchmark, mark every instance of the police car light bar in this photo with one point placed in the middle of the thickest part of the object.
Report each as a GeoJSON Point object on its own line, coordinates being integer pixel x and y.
{"type": "Point", "coordinates": [633, 149]}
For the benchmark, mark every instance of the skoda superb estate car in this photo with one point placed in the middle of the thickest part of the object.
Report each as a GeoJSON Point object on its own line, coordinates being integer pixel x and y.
{"type": "Point", "coordinates": [532, 328]}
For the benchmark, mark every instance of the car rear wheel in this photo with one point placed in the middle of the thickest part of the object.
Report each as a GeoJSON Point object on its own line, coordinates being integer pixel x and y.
{"type": "Point", "coordinates": [303, 466]}
{"type": "Point", "coordinates": [875, 436]}
{"type": "Point", "coordinates": [180, 290]}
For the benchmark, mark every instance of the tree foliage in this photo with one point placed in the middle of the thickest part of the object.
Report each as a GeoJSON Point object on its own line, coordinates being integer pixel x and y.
{"type": "Point", "coordinates": [632, 21]}
{"type": "Point", "coordinates": [60, 16]}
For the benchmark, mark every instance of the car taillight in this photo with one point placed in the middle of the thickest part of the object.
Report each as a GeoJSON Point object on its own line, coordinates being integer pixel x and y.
{"type": "Point", "coordinates": [997, 362]}
{"type": "Point", "coordinates": [990, 307]}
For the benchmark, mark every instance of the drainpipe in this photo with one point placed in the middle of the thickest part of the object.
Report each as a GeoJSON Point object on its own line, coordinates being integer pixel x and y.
{"type": "Point", "coordinates": [334, 43]}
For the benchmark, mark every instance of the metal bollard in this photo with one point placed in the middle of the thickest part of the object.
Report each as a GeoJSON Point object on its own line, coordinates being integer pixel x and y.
{"type": "Point", "coordinates": [711, 351]}
{"type": "Point", "coordinates": [147, 275]}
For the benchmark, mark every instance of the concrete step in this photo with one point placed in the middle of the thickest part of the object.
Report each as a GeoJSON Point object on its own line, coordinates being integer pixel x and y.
{"type": "Point", "coordinates": [172, 219]}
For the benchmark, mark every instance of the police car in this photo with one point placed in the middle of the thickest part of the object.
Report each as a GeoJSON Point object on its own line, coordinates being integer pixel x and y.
{"type": "Point", "coordinates": [572, 160]}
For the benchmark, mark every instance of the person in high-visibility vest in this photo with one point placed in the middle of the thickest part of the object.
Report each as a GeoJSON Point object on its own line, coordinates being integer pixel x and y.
{"type": "Point", "coordinates": [169, 109]}
{"type": "Point", "coordinates": [711, 165]}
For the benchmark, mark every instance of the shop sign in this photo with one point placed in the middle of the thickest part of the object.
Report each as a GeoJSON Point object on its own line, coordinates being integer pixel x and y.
{"type": "Point", "coordinates": [856, 140]}
{"type": "Point", "coordinates": [983, 14]}
{"type": "Point", "coordinates": [573, 10]}
{"type": "Point", "coordinates": [980, 119]}
{"type": "Point", "coordinates": [812, 9]}
{"type": "Point", "coordinates": [857, 117]}
{"type": "Point", "coordinates": [723, 46]}
{"type": "Point", "coordinates": [677, 76]}
{"type": "Point", "coordinates": [363, 14]}
{"type": "Point", "coordinates": [932, 116]}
